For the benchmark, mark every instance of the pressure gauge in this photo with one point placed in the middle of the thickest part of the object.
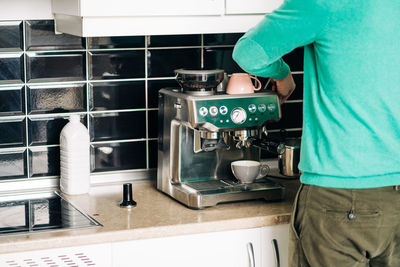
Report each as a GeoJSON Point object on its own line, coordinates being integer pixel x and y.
{"type": "Point", "coordinates": [238, 115]}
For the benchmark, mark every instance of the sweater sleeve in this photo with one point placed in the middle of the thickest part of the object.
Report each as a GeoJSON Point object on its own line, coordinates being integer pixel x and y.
{"type": "Point", "coordinates": [296, 23]}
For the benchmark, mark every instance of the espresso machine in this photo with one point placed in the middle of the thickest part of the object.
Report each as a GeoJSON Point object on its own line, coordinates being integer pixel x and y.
{"type": "Point", "coordinates": [201, 131]}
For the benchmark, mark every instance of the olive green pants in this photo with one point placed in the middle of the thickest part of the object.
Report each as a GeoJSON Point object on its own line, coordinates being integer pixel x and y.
{"type": "Point", "coordinates": [345, 227]}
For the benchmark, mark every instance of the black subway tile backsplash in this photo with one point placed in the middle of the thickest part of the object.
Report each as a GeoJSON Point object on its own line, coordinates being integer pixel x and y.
{"type": "Point", "coordinates": [12, 133]}
{"type": "Point", "coordinates": [11, 68]}
{"type": "Point", "coordinates": [56, 99]}
{"type": "Point", "coordinates": [12, 100]}
{"type": "Point", "coordinates": [111, 82]}
{"type": "Point", "coordinates": [221, 38]}
{"type": "Point", "coordinates": [153, 86]}
{"type": "Point", "coordinates": [44, 161]}
{"type": "Point", "coordinates": [174, 40]}
{"type": "Point", "coordinates": [295, 59]}
{"type": "Point", "coordinates": [13, 164]}
{"type": "Point", "coordinates": [153, 123]}
{"type": "Point", "coordinates": [55, 67]}
{"type": "Point", "coordinates": [116, 65]}
{"type": "Point", "coordinates": [117, 95]}
{"type": "Point", "coordinates": [116, 42]}
{"type": "Point", "coordinates": [118, 125]}
{"type": "Point", "coordinates": [298, 92]}
{"type": "Point", "coordinates": [221, 58]}
{"type": "Point", "coordinates": [163, 62]}
{"type": "Point", "coordinates": [118, 156]}
{"type": "Point", "coordinates": [153, 153]}
{"type": "Point", "coordinates": [40, 35]}
{"type": "Point", "coordinates": [45, 130]}
{"type": "Point", "coordinates": [11, 36]}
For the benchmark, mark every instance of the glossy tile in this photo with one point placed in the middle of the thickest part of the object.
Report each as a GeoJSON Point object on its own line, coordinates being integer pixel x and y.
{"type": "Point", "coordinates": [53, 67]}
{"type": "Point", "coordinates": [116, 42]}
{"type": "Point", "coordinates": [153, 123]}
{"type": "Point", "coordinates": [44, 161]}
{"type": "Point", "coordinates": [295, 59]}
{"type": "Point", "coordinates": [12, 133]}
{"type": "Point", "coordinates": [221, 38]}
{"type": "Point", "coordinates": [12, 100]}
{"type": "Point", "coordinates": [116, 65]}
{"type": "Point", "coordinates": [298, 92]}
{"type": "Point", "coordinates": [56, 98]}
{"type": "Point", "coordinates": [220, 58]}
{"type": "Point", "coordinates": [174, 40]}
{"type": "Point", "coordinates": [118, 125]}
{"type": "Point", "coordinates": [153, 86]}
{"type": "Point", "coordinates": [11, 36]}
{"type": "Point", "coordinates": [13, 164]}
{"type": "Point", "coordinates": [11, 68]}
{"type": "Point", "coordinates": [162, 63]}
{"type": "Point", "coordinates": [40, 35]}
{"type": "Point", "coordinates": [46, 130]}
{"type": "Point", "coordinates": [117, 95]}
{"type": "Point", "coordinates": [292, 117]}
{"type": "Point", "coordinates": [153, 153]}
{"type": "Point", "coordinates": [118, 156]}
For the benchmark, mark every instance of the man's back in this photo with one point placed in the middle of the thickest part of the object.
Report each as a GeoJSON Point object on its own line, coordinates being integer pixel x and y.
{"type": "Point", "coordinates": [351, 128]}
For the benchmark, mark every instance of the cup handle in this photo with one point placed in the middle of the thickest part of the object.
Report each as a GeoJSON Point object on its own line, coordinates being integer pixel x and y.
{"type": "Point", "coordinates": [258, 82]}
{"type": "Point", "coordinates": [264, 170]}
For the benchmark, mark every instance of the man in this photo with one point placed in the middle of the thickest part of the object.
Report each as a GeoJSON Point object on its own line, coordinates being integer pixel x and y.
{"type": "Point", "coordinates": [347, 209]}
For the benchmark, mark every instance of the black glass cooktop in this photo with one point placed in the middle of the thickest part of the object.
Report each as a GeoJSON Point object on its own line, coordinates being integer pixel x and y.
{"type": "Point", "coordinates": [28, 213]}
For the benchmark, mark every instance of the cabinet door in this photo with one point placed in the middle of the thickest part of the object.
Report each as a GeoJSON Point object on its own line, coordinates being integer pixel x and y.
{"type": "Point", "coordinates": [120, 8]}
{"type": "Point", "coordinates": [251, 6]}
{"type": "Point", "coordinates": [274, 244]}
{"type": "Point", "coordinates": [201, 250]}
{"type": "Point", "coordinates": [94, 255]}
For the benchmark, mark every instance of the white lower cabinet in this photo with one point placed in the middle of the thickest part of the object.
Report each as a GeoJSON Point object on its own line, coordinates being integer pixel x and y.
{"type": "Point", "coordinates": [238, 248]}
{"type": "Point", "coordinates": [92, 255]}
{"type": "Point", "coordinates": [275, 245]}
{"type": "Point", "coordinates": [230, 248]}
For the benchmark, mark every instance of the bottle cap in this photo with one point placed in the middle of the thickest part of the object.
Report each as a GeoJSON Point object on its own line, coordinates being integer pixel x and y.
{"type": "Point", "coordinates": [75, 118]}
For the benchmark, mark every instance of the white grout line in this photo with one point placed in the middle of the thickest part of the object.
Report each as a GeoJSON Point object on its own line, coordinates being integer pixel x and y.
{"type": "Point", "coordinates": [146, 87]}
{"type": "Point", "coordinates": [28, 167]}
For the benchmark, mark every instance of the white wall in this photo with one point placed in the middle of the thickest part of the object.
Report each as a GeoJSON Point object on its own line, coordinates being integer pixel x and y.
{"type": "Point", "coordinates": [25, 9]}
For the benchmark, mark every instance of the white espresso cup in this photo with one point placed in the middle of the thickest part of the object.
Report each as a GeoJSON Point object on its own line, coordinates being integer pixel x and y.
{"type": "Point", "coordinates": [247, 171]}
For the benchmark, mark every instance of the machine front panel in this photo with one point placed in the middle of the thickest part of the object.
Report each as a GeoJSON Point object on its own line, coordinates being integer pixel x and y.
{"type": "Point", "coordinates": [238, 112]}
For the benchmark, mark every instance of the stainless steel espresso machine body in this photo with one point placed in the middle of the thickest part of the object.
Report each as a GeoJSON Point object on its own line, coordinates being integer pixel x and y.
{"type": "Point", "coordinates": [199, 137]}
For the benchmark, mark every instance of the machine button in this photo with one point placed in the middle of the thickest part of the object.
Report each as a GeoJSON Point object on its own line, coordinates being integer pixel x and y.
{"type": "Point", "coordinates": [262, 107]}
{"type": "Point", "coordinates": [203, 111]}
{"type": "Point", "coordinates": [271, 107]}
{"type": "Point", "coordinates": [252, 108]}
{"type": "Point", "coordinates": [238, 115]}
{"type": "Point", "coordinates": [213, 111]}
{"type": "Point", "coordinates": [223, 110]}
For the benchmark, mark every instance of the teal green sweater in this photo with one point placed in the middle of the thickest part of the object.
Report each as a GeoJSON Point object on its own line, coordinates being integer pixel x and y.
{"type": "Point", "coordinates": [351, 120]}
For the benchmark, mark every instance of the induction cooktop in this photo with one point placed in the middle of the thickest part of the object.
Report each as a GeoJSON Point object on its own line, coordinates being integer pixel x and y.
{"type": "Point", "coordinates": [36, 212]}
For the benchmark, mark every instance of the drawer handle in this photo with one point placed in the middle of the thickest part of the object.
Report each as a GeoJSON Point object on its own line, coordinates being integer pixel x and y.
{"type": "Point", "coordinates": [250, 251]}
{"type": "Point", "coordinates": [276, 248]}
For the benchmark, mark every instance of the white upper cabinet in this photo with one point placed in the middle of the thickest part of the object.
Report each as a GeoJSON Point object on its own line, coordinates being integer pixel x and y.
{"type": "Point", "coordinates": [90, 18]}
{"type": "Point", "coordinates": [119, 8]}
{"type": "Point", "coordinates": [251, 6]}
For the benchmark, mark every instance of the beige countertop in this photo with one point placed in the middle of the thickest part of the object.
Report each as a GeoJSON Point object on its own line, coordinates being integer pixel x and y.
{"type": "Point", "coordinates": [156, 215]}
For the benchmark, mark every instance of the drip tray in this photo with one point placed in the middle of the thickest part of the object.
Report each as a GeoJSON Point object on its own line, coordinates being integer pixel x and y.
{"type": "Point", "coordinates": [35, 212]}
{"type": "Point", "coordinates": [209, 187]}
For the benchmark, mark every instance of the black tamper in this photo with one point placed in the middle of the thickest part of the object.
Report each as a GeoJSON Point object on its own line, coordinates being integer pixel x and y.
{"type": "Point", "coordinates": [127, 201]}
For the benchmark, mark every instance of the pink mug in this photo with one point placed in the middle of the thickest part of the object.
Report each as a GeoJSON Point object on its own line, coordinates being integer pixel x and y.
{"type": "Point", "coordinates": [240, 83]}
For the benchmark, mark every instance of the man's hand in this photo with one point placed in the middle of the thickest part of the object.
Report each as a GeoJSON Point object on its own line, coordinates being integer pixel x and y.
{"type": "Point", "coordinates": [284, 87]}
